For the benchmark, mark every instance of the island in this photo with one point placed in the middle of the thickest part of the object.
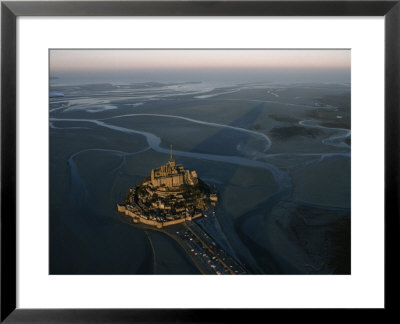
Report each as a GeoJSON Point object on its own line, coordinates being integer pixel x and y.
{"type": "Point", "coordinates": [169, 196]}
{"type": "Point", "coordinates": [172, 195]}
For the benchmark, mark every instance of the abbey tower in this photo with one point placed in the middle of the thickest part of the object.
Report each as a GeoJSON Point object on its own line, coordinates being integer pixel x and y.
{"type": "Point", "coordinates": [172, 175]}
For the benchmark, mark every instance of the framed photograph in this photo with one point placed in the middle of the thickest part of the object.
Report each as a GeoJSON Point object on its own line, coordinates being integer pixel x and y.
{"type": "Point", "coordinates": [161, 160]}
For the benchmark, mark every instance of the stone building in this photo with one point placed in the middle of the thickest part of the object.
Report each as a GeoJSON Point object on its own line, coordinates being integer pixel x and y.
{"type": "Point", "coordinates": [172, 175]}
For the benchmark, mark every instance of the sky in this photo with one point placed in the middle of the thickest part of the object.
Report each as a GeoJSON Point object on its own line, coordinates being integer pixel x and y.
{"type": "Point", "coordinates": [198, 65]}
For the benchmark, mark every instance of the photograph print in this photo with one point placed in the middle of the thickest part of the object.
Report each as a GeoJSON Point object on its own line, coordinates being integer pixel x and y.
{"type": "Point", "coordinates": [199, 161]}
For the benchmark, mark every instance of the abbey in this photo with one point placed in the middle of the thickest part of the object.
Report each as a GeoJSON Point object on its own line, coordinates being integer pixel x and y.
{"type": "Point", "coordinates": [171, 175]}
{"type": "Point", "coordinates": [171, 195]}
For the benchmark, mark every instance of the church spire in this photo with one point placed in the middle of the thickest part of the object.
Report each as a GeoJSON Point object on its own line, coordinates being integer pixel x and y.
{"type": "Point", "coordinates": [170, 154]}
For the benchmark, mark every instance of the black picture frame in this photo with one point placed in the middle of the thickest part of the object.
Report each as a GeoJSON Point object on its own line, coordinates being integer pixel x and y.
{"type": "Point", "coordinates": [10, 10]}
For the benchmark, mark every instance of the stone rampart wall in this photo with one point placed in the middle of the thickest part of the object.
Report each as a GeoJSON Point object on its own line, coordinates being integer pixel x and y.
{"type": "Point", "coordinates": [122, 209]}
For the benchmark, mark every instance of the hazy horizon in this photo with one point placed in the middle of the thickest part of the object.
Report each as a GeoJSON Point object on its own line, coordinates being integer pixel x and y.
{"type": "Point", "coordinates": [119, 66]}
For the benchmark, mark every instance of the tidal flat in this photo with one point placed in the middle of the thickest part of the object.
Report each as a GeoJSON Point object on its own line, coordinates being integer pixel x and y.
{"type": "Point", "coordinates": [278, 154]}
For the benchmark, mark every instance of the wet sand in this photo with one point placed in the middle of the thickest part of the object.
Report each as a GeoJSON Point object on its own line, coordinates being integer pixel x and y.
{"type": "Point", "coordinates": [284, 201]}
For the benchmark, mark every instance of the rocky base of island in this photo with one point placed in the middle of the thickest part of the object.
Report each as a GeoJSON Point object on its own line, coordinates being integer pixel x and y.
{"type": "Point", "coordinates": [164, 206]}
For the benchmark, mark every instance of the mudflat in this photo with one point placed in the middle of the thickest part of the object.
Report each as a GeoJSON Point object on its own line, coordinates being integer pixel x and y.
{"type": "Point", "coordinates": [278, 154]}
